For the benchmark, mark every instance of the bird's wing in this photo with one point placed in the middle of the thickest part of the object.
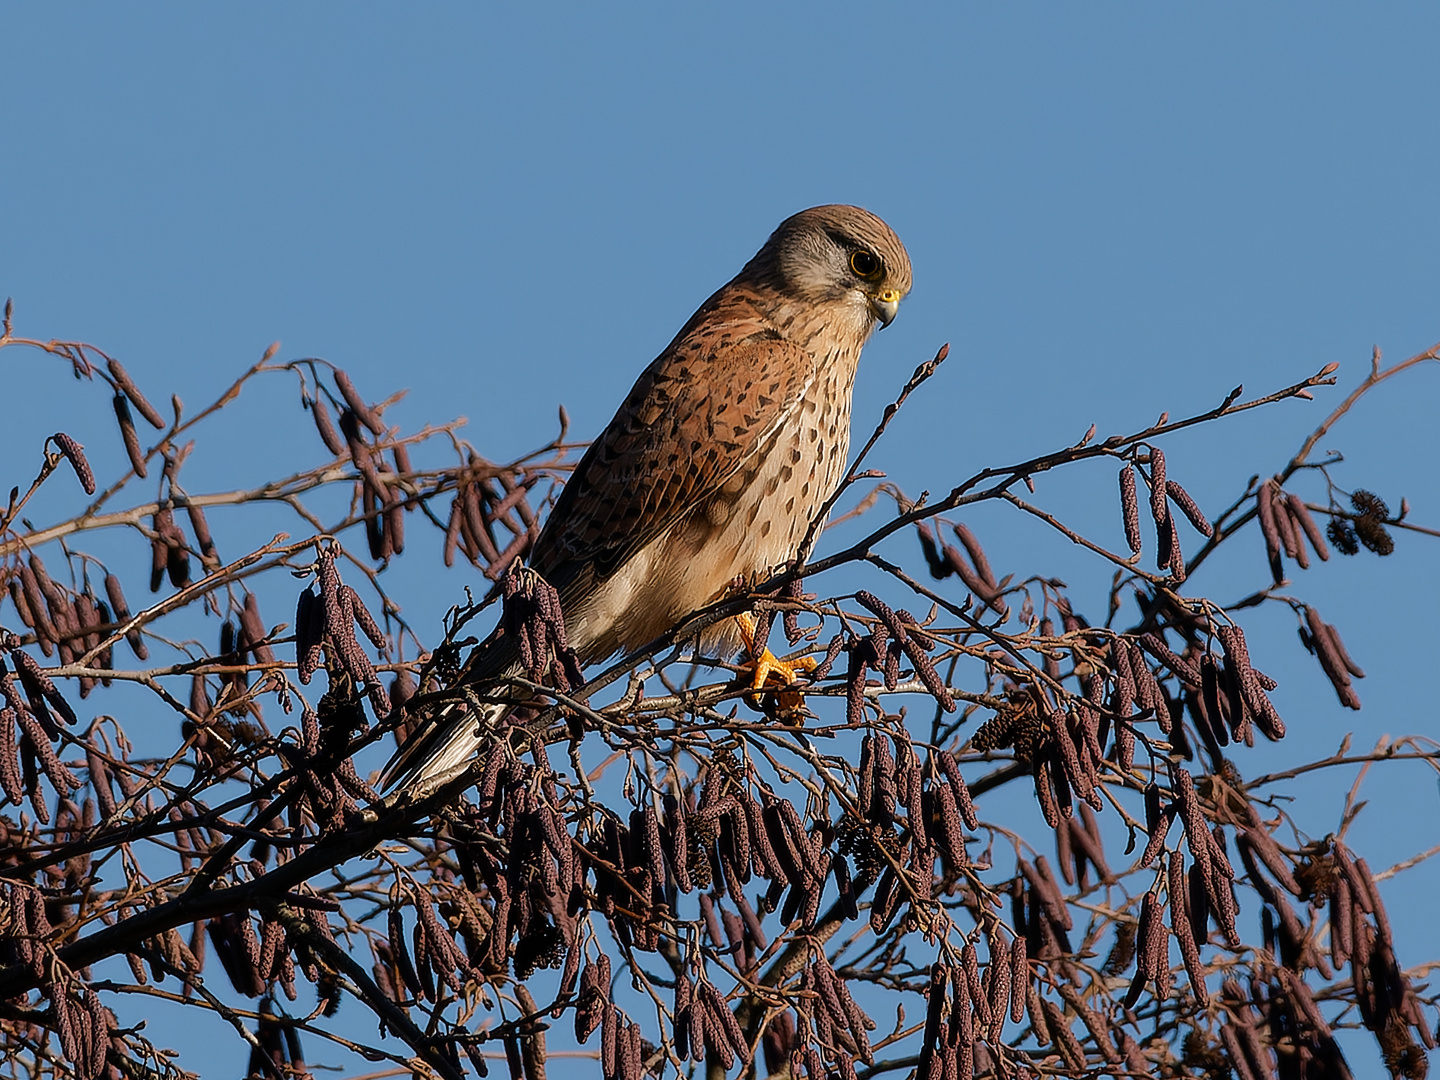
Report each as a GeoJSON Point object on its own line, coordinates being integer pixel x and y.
{"type": "Point", "coordinates": [706, 406]}
{"type": "Point", "coordinates": [695, 417]}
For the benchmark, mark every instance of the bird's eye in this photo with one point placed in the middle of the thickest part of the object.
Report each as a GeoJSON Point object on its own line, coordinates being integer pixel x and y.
{"type": "Point", "coordinates": [865, 265]}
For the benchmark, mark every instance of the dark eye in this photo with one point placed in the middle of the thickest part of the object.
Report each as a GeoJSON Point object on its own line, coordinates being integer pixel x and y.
{"type": "Point", "coordinates": [865, 265]}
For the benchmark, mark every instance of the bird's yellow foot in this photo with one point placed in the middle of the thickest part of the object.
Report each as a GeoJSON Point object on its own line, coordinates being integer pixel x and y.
{"type": "Point", "coordinates": [767, 674]}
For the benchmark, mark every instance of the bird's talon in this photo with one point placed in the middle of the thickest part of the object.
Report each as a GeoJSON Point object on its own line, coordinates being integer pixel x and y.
{"type": "Point", "coordinates": [767, 675]}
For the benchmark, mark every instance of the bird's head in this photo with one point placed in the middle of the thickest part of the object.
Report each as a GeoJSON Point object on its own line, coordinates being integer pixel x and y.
{"type": "Point", "coordinates": [838, 256]}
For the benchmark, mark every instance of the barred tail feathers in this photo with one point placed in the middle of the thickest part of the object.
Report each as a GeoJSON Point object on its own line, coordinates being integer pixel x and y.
{"type": "Point", "coordinates": [449, 737]}
{"type": "Point", "coordinates": [440, 751]}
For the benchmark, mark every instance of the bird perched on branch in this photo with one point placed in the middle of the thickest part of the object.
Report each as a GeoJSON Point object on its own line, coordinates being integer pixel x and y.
{"type": "Point", "coordinates": [713, 468]}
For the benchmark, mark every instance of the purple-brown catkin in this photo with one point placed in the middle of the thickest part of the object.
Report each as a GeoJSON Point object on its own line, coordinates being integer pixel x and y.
{"type": "Point", "coordinates": [609, 1037]}
{"type": "Point", "coordinates": [1265, 510]}
{"type": "Point", "coordinates": [399, 949]}
{"type": "Point", "coordinates": [1147, 687]}
{"type": "Point", "coordinates": [255, 630]}
{"type": "Point", "coordinates": [1235, 1053]}
{"type": "Point", "coordinates": [971, 577]}
{"type": "Point", "coordinates": [363, 412]}
{"type": "Point", "coordinates": [1232, 639]}
{"type": "Point", "coordinates": [1158, 829]}
{"type": "Point", "coordinates": [395, 524]}
{"type": "Point", "coordinates": [1341, 920]}
{"type": "Point", "coordinates": [884, 780]}
{"type": "Point", "coordinates": [130, 436]}
{"type": "Point", "coordinates": [970, 968]}
{"type": "Point", "coordinates": [88, 616]}
{"type": "Point", "coordinates": [1020, 986]}
{"type": "Point", "coordinates": [1094, 1023]}
{"type": "Point", "coordinates": [976, 553]}
{"type": "Point", "coordinates": [1130, 508]}
{"type": "Point", "coordinates": [1184, 932]}
{"type": "Point", "coordinates": [1085, 836]}
{"type": "Point", "coordinates": [951, 835]}
{"type": "Point", "coordinates": [1376, 905]}
{"type": "Point", "coordinates": [866, 770]}
{"type": "Point", "coordinates": [376, 537]}
{"type": "Point", "coordinates": [308, 635]}
{"type": "Point", "coordinates": [75, 454]}
{"type": "Point", "coordinates": [963, 802]}
{"type": "Point", "coordinates": [473, 492]}
{"type": "Point", "coordinates": [127, 387]}
{"type": "Point", "coordinates": [22, 605]}
{"type": "Point", "coordinates": [1043, 889]}
{"type": "Point", "coordinates": [1264, 846]}
{"type": "Point", "coordinates": [159, 557]}
{"type": "Point", "coordinates": [45, 630]}
{"type": "Point", "coordinates": [452, 532]}
{"type": "Point", "coordinates": [1055, 905]}
{"type": "Point", "coordinates": [1198, 905]}
{"type": "Point", "coordinates": [1292, 528]}
{"type": "Point", "coordinates": [1174, 557]}
{"type": "Point", "coordinates": [1080, 773]}
{"type": "Point", "coordinates": [1149, 958]}
{"type": "Point", "coordinates": [177, 556]}
{"type": "Point", "coordinates": [1269, 524]}
{"type": "Point", "coordinates": [1041, 769]}
{"type": "Point", "coordinates": [1289, 539]}
{"type": "Point", "coordinates": [939, 981]}
{"type": "Point", "coordinates": [37, 682]}
{"type": "Point", "coordinates": [1000, 989]}
{"type": "Point", "coordinates": [332, 597]}
{"type": "Point", "coordinates": [10, 777]}
{"type": "Point", "coordinates": [1219, 886]}
{"type": "Point", "coordinates": [363, 617]}
{"type": "Point", "coordinates": [56, 605]}
{"type": "Point", "coordinates": [1157, 648]}
{"type": "Point", "coordinates": [940, 569]}
{"type": "Point", "coordinates": [1065, 1040]}
{"type": "Point", "coordinates": [1301, 513]}
{"type": "Point", "coordinates": [320, 413]}
{"type": "Point", "coordinates": [1197, 831]}
{"type": "Point", "coordinates": [1181, 498]}
{"type": "Point", "coordinates": [133, 636]}
{"type": "Point", "coordinates": [1123, 698]}
{"type": "Point", "coordinates": [728, 1024]}
{"type": "Point", "coordinates": [1330, 659]}
{"type": "Point", "coordinates": [201, 528]}
{"type": "Point", "coordinates": [861, 652]}
{"type": "Point", "coordinates": [1335, 639]}
{"type": "Point", "coordinates": [1210, 698]}
{"type": "Point", "coordinates": [1159, 509]}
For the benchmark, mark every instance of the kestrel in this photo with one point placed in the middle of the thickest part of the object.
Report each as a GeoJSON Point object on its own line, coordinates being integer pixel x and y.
{"type": "Point", "coordinates": [715, 464]}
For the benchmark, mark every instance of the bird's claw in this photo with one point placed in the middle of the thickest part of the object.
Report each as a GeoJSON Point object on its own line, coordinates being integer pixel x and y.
{"type": "Point", "coordinates": [767, 677]}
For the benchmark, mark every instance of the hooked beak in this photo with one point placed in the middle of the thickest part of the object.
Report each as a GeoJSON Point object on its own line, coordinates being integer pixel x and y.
{"type": "Point", "coordinates": [885, 305]}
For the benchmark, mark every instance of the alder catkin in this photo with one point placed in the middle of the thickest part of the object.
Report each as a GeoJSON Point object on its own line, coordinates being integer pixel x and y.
{"type": "Point", "coordinates": [325, 425]}
{"type": "Point", "coordinates": [1159, 508]}
{"type": "Point", "coordinates": [1181, 498]}
{"type": "Point", "coordinates": [363, 412]}
{"type": "Point", "coordinates": [128, 389]}
{"type": "Point", "coordinates": [1130, 508]}
{"type": "Point", "coordinates": [75, 454]}
{"type": "Point", "coordinates": [130, 436]}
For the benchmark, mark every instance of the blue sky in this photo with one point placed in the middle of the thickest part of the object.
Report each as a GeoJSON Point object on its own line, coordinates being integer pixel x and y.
{"type": "Point", "coordinates": [1112, 210]}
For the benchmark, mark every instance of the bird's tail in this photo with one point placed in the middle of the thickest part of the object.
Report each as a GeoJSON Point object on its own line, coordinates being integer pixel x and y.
{"type": "Point", "coordinates": [443, 746]}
